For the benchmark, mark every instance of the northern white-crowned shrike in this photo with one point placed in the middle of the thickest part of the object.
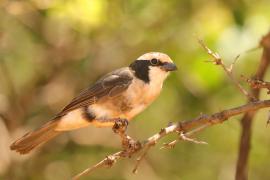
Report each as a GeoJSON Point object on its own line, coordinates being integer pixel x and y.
{"type": "Point", "coordinates": [121, 94]}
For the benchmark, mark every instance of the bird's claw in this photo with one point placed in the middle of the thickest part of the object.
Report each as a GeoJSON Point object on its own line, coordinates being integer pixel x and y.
{"type": "Point", "coordinates": [120, 126]}
{"type": "Point", "coordinates": [128, 144]}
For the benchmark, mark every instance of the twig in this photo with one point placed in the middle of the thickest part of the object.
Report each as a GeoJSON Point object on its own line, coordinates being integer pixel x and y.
{"type": "Point", "coordinates": [183, 126]}
{"type": "Point", "coordinates": [186, 136]}
{"type": "Point", "coordinates": [218, 61]}
{"type": "Point", "coordinates": [107, 162]}
{"type": "Point", "coordinates": [139, 159]}
{"type": "Point", "coordinates": [257, 83]}
{"type": "Point", "coordinates": [151, 142]}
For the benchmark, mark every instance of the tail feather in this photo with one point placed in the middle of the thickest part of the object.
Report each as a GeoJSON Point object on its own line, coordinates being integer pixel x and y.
{"type": "Point", "coordinates": [35, 138]}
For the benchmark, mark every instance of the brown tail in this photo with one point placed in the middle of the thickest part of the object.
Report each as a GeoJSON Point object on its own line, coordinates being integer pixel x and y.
{"type": "Point", "coordinates": [33, 139]}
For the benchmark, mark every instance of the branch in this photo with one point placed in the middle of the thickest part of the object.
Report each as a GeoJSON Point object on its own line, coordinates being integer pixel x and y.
{"type": "Point", "coordinates": [184, 127]}
{"type": "Point", "coordinates": [246, 121]}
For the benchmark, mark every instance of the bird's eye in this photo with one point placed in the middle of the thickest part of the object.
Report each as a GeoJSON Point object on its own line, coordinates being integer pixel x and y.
{"type": "Point", "coordinates": [154, 61]}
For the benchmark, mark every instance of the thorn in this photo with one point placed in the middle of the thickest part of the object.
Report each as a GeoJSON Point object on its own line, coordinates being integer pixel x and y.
{"type": "Point", "coordinates": [162, 130]}
{"type": "Point", "coordinates": [253, 49]}
{"type": "Point", "coordinates": [169, 145]}
{"type": "Point", "coordinates": [217, 56]}
{"type": "Point", "coordinates": [236, 58]}
{"type": "Point", "coordinates": [135, 171]}
{"type": "Point", "coordinates": [230, 69]}
{"type": "Point", "coordinates": [185, 138]}
{"type": "Point", "coordinates": [208, 61]}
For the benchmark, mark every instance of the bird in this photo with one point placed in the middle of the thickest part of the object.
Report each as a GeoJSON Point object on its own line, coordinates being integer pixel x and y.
{"type": "Point", "coordinates": [120, 94]}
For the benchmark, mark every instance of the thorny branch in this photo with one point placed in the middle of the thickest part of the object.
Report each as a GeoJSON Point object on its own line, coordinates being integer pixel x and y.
{"type": "Point", "coordinates": [184, 129]}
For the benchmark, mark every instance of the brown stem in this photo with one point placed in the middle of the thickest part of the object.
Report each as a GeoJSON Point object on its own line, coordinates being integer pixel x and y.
{"type": "Point", "coordinates": [246, 122]}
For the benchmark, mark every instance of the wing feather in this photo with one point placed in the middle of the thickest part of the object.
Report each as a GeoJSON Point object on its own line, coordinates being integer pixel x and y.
{"type": "Point", "coordinates": [109, 85]}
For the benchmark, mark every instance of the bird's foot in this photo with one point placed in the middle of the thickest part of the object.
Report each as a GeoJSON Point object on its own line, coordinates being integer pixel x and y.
{"type": "Point", "coordinates": [120, 126]}
{"type": "Point", "coordinates": [129, 145]}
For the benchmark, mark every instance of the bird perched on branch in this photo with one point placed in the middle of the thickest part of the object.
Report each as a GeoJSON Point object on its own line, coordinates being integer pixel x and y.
{"type": "Point", "coordinates": [121, 94]}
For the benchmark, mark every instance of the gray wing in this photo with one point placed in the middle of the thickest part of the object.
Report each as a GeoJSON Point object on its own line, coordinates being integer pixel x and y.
{"type": "Point", "coordinates": [109, 85]}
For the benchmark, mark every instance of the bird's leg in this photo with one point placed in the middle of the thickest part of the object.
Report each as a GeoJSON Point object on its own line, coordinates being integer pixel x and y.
{"type": "Point", "coordinates": [120, 128]}
{"type": "Point", "coordinates": [128, 144]}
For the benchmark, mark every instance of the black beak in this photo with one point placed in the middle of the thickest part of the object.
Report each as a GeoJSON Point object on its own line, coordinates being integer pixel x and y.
{"type": "Point", "coordinates": [169, 66]}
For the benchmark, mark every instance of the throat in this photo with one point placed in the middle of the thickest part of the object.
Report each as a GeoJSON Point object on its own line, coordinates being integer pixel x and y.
{"type": "Point", "coordinates": [157, 77]}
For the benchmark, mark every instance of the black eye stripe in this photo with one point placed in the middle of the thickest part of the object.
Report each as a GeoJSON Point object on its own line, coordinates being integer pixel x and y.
{"type": "Point", "coordinates": [141, 69]}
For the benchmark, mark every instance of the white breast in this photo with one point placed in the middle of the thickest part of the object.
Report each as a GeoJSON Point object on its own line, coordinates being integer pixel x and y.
{"type": "Point", "coordinates": [143, 94]}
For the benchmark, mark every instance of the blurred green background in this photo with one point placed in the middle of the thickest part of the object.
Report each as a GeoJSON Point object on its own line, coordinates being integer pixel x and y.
{"type": "Point", "coordinates": [52, 49]}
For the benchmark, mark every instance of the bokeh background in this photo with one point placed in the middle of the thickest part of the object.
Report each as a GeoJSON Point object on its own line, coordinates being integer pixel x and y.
{"type": "Point", "coordinates": [52, 49]}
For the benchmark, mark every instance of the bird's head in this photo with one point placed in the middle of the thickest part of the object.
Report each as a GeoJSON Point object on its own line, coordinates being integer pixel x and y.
{"type": "Point", "coordinates": [152, 66]}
